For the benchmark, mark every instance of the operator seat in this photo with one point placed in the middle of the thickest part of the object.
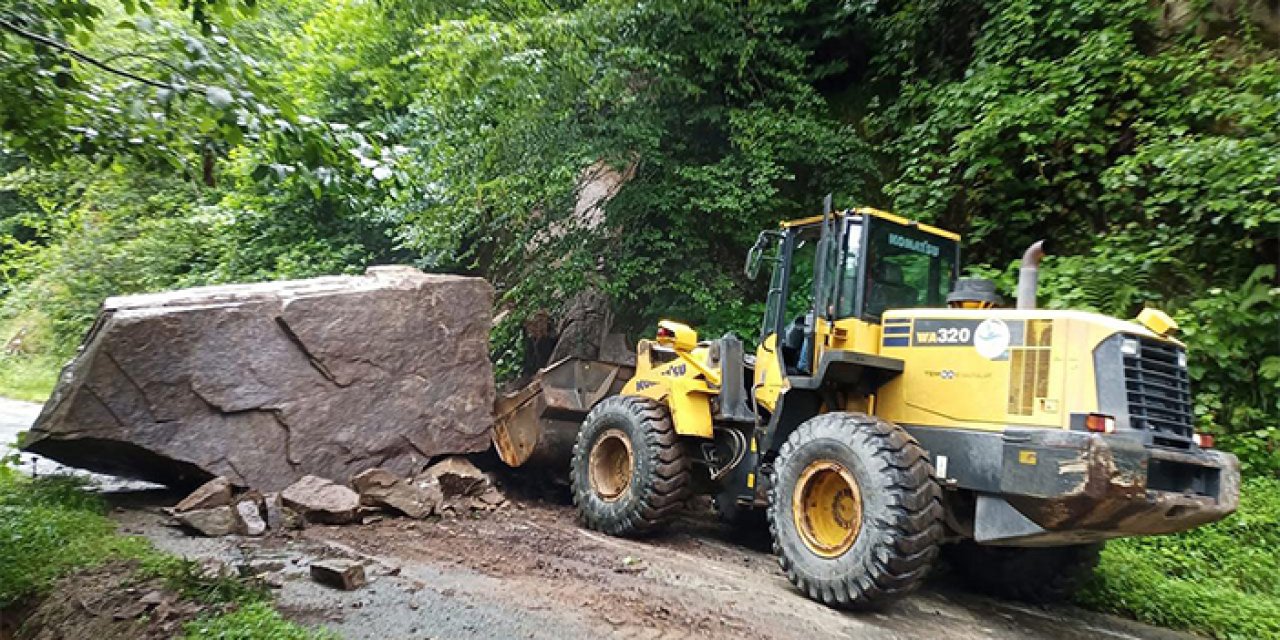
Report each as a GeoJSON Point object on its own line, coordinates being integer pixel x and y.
{"type": "Point", "coordinates": [792, 343]}
{"type": "Point", "coordinates": [889, 290]}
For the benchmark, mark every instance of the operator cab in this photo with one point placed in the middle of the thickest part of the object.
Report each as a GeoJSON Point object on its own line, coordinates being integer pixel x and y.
{"type": "Point", "coordinates": [848, 265]}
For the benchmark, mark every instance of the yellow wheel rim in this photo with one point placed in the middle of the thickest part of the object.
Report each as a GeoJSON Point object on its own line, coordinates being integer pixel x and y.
{"type": "Point", "coordinates": [610, 465]}
{"type": "Point", "coordinates": [827, 507]}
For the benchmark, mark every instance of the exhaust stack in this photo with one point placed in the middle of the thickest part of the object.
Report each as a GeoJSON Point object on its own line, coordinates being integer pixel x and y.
{"type": "Point", "coordinates": [1029, 275]}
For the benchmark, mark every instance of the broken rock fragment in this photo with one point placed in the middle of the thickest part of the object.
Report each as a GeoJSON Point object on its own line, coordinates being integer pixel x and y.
{"type": "Point", "coordinates": [249, 518]}
{"type": "Point", "coordinates": [214, 522]}
{"type": "Point", "coordinates": [273, 511]}
{"type": "Point", "coordinates": [456, 477]}
{"type": "Point", "coordinates": [214, 493]}
{"type": "Point", "coordinates": [339, 574]}
{"type": "Point", "coordinates": [320, 500]}
{"type": "Point", "coordinates": [381, 488]}
{"type": "Point", "coordinates": [265, 383]}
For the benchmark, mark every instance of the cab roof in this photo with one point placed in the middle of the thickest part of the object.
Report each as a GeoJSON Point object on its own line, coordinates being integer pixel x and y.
{"type": "Point", "coordinates": [884, 215]}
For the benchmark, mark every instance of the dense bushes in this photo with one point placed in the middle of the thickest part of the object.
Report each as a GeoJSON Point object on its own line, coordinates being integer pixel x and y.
{"type": "Point", "coordinates": [1222, 579]}
{"type": "Point", "coordinates": [456, 135]}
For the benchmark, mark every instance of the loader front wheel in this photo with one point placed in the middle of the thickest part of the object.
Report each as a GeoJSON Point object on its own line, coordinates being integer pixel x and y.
{"type": "Point", "coordinates": [630, 472]}
{"type": "Point", "coordinates": [855, 513]}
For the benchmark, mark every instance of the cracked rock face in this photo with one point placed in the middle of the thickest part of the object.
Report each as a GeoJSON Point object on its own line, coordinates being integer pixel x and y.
{"type": "Point", "coordinates": [266, 383]}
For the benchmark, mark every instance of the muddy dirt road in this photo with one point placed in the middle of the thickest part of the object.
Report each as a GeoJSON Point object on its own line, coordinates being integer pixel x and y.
{"type": "Point", "coordinates": [528, 571]}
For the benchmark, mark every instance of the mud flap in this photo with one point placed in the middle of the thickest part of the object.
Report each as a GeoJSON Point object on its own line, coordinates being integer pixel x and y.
{"type": "Point", "coordinates": [996, 521]}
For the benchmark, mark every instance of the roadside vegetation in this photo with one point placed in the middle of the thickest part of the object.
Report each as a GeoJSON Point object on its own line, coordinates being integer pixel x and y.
{"type": "Point", "coordinates": [1221, 580]}
{"type": "Point", "coordinates": [270, 139]}
{"type": "Point", "coordinates": [51, 528]}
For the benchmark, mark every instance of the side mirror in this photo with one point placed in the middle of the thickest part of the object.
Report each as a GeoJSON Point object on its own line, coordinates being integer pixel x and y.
{"type": "Point", "coordinates": [753, 262]}
{"type": "Point", "coordinates": [755, 256]}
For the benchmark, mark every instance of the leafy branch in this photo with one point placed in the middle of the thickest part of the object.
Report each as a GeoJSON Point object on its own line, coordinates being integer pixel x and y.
{"type": "Point", "coordinates": [86, 58]}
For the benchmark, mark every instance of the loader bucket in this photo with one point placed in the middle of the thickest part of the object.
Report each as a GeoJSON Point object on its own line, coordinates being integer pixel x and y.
{"type": "Point", "coordinates": [537, 425]}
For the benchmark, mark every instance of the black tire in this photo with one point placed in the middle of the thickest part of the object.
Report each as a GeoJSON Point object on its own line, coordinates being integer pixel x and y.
{"type": "Point", "coordinates": [1038, 575]}
{"type": "Point", "coordinates": [658, 484]}
{"type": "Point", "coordinates": [900, 524]}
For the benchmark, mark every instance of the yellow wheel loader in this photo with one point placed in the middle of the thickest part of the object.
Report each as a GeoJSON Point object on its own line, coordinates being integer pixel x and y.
{"type": "Point", "coordinates": [891, 408]}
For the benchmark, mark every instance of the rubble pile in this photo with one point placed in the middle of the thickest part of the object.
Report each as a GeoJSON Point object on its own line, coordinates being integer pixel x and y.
{"type": "Point", "coordinates": [450, 488]}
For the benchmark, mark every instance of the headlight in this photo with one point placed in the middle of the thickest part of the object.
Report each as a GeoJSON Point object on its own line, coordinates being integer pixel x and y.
{"type": "Point", "coordinates": [1182, 359]}
{"type": "Point", "coordinates": [1130, 347]}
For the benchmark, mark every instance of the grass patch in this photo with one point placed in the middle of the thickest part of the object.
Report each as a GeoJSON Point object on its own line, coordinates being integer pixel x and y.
{"type": "Point", "coordinates": [1221, 580]}
{"type": "Point", "coordinates": [29, 356]}
{"type": "Point", "coordinates": [255, 621]}
{"type": "Point", "coordinates": [29, 378]}
{"type": "Point", "coordinates": [50, 527]}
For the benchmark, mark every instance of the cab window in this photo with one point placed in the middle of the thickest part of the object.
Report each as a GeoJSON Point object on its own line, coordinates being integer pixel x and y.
{"type": "Point", "coordinates": [906, 268]}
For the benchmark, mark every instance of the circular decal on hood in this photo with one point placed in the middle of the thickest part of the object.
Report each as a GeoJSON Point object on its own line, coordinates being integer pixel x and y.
{"type": "Point", "coordinates": [991, 338]}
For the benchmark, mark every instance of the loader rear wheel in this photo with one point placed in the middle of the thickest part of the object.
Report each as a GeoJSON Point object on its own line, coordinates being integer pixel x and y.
{"type": "Point", "coordinates": [855, 513]}
{"type": "Point", "coordinates": [1031, 574]}
{"type": "Point", "coordinates": [630, 472]}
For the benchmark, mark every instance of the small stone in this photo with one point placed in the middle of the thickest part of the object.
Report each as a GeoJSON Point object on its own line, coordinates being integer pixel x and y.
{"type": "Point", "coordinates": [215, 522]}
{"type": "Point", "coordinates": [346, 575]}
{"type": "Point", "coordinates": [456, 477]}
{"type": "Point", "coordinates": [214, 493]}
{"type": "Point", "coordinates": [152, 598]}
{"type": "Point", "coordinates": [267, 566]}
{"type": "Point", "coordinates": [292, 520]}
{"type": "Point", "coordinates": [630, 564]}
{"type": "Point", "coordinates": [492, 496]}
{"type": "Point", "coordinates": [249, 518]}
{"type": "Point", "coordinates": [274, 511]}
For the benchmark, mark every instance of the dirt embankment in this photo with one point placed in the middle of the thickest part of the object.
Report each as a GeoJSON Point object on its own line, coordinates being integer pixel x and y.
{"type": "Point", "coordinates": [110, 602]}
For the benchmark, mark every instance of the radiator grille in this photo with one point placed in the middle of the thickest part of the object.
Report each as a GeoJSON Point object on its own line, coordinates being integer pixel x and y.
{"type": "Point", "coordinates": [1159, 392]}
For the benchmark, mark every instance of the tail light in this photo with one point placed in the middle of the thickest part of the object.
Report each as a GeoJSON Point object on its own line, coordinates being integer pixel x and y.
{"type": "Point", "coordinates": [1203, 440]}
{"type": "Point", "coordinates": [1099, 423]}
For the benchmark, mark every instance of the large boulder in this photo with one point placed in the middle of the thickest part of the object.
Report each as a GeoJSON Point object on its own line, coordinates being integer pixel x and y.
{"type": "Point", "coordinates": [266, 383]}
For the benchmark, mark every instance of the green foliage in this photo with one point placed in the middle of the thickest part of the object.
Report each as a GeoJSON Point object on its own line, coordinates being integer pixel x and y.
{"type": "Point", "coordinates": [48, 527]}
{"type": "Point", "coordinates": [167, 86]}
{"type": "Point", "coordinates": [192, 580]}
{"type": "Point", "coordinates": [51, 526]}
{"type": "Point", "coordinates": [28, 378]}
{"type": "Point", "coordinates": [1147, 155]}
{"type": "Point", "coordinates": [1237, 374]}
{"type": "Point", "coordinates": [1222, 579]}
{"type": "Point", "coordinates": [90, 235]}
{"type": "Point", "coordinates": [710, 110]}
{"type": "Point", "coordinates": [256, 621]}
